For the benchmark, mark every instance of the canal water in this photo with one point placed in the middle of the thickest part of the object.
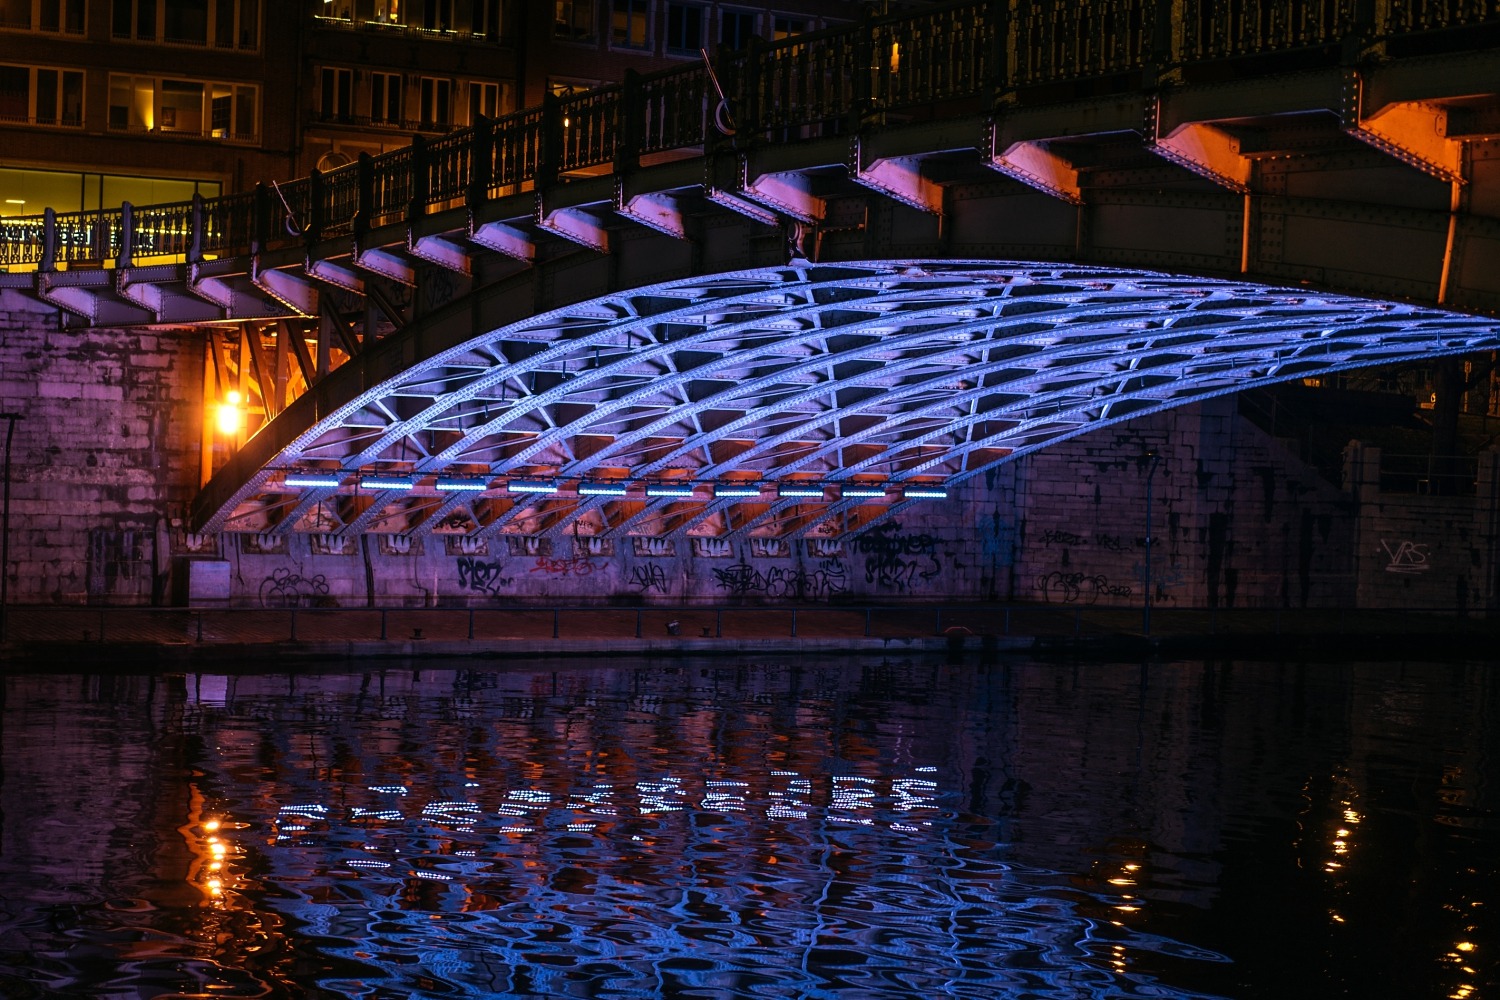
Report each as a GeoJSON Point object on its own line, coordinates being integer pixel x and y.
{"type": "Point", "coordinates": [823, 828]}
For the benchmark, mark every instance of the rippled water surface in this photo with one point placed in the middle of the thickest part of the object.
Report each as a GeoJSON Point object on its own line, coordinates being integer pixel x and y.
{"type": "Point", "coordinates": [825, 829]}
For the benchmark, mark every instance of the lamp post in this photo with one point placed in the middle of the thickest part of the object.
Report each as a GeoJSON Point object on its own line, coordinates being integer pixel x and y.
{"type": "Point", "coordinates": [1151, 459]}
{"type": "Point", "coordinates": [10, 431]}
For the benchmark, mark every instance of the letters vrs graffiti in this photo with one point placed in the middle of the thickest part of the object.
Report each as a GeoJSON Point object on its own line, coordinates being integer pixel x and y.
{"type": "Point", "coordinates": [480, 575]}
{"type": "Point", "coordinates": [1405, 557]}
{"type": "Point", "coordinates": [896, 560]}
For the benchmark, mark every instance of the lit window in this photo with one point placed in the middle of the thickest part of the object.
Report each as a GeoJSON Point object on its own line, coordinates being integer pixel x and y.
{"type": "Point", "coordinates": [184, 107]}
{"type": "Point", "coordinates": [388, 11]}
{"type": "Point", "coordinates": [337, 10]}
{"type": "Point", "coordinates": [575, 20]}
{"type": "Point", "coordinates": [628, 25]}
{"type": "Point", "coordinates": [684, 28]}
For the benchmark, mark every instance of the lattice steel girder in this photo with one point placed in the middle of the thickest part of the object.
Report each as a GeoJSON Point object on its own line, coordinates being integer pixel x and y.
{"type": "Point", "coordinates": [930, 369]}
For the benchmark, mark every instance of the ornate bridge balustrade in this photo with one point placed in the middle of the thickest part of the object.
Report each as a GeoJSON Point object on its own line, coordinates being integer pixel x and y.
{"type": "Point", "coordinates": [1328, 144]}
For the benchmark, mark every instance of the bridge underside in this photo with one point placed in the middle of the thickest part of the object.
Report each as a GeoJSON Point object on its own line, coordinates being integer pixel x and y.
{"type": "Point", "coordinates": [779, 401]}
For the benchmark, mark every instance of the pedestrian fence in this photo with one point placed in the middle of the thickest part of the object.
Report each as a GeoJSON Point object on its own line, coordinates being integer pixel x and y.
{"type": "Point", "coordinates": [224, 626]}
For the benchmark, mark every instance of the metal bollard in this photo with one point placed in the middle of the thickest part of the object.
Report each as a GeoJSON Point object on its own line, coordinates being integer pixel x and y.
{"type": "Point", "coordinates": [471, 623]}
{"type": "Point", "coordinates": [294, 623]}
{"type": "Point", "coordinates": [794, 622]}
{"type": "Point", "coordinates": [867, 622]}
{"type": "Point", "coordinates": [554, 622]}
{"type": "Point", "coordinates": [637, 623]}
{"type": "Point", "coordinates": [718, 623]}
{"type": "Point", "coordinates": [382, 625]}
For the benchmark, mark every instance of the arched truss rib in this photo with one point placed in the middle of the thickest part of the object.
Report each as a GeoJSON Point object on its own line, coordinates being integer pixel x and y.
{"type": "Point", "coordinates": [885, 373]}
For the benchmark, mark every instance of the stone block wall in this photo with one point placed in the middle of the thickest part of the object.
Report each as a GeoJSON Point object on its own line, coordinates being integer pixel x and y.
{"type": "Point", "coordinates": [105, 457]}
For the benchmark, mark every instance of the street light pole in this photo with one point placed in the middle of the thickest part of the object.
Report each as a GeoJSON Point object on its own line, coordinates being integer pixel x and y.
{"type": "Point", "coordinates": [1151, 458]}
{"type": "Point", "coordinates": [10, 431]}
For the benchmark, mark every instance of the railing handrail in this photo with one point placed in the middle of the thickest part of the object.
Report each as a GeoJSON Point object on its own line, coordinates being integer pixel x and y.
{"type": "Point", "coordinates": [1021, 50]}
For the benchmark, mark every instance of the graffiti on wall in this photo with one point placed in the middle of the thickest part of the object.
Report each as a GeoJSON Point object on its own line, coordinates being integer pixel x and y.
{"type": "Point", "coordinates": [1059, 587]}
{"type": "Point", "coordinates": [285, 588]}
{"type": "Point", "coordinates": [898, 560]}
{"type": "Point", "coordinates": [795, 583]}
{"type": "Point", "coordinates": [1405, 557]}
{"type": "Point", "coordinates": [574, 565]}
{"type": "Point", "coordinates": [649, 578]}
{"type": "Point", "coordinates": [1095, 539]}
{"type": "Point", "coordinates": [482, 575]}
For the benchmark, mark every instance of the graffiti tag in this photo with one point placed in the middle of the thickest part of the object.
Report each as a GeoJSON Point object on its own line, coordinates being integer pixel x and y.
{"type": "Point", "coordinates": [778, 582]}
{"type": "Point", "coordinates": [1406, 557]}
{"type": "Point", "coordinates": [481, 575]}
{"type": "Point", "coordinates": [896, 560]}
{"type": "Point", "coordinates": [286, 589]}
{"type": "Point", "coordinates": [575, 565]}
{"type": "Point", "coordinates": [1078, 588]}
{"type": "Point", "coordinates": [649, 577]}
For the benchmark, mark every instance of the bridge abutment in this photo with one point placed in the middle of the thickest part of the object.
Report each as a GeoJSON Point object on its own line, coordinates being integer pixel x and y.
{"type": "Point", "coordinates": [108, 456]}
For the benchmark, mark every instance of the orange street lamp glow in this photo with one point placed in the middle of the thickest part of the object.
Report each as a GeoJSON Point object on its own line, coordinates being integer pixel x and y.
{"type": "Point", "coordinates": [229, 414]}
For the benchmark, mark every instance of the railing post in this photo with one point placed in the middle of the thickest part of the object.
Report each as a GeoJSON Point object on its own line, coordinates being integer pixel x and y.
{"type": "Point", "coordinates": [260, 220]}
{"type": "Point", "coordinates": [794, 623]}
{"type": "Point", "coordinates": [198, 618]}
{"type": "Point", "coordinates": [127, 235]}
{"type": "Point", "coordinates": [630, 134]}
{"type": "Point", "coordinates": [49, 241]}
{"type": "Point", "coordinates": [195, 230]}
{"type": "Point", "coordinates": [637, 623]}
{"type": "Point", "coordinates": [997, 80]}
{"type": "Point", "coordinates": [865, 69]}
{"type": "Point", "coordinates": [471, 623]}
{"type": "Point", "coordinates": [867, 623]}
{"type": "Point", "coordinates": [481, 163]}
{"type": "Point", "coordinates": [364, 212]}
{"type": "Point", "coordinates": [421, 180]}
{"type": "Point", "coordinates": [554, 622]}
{"type": "Point", "coordinates": [754, 114]}
{"type": "Point", "coordinates": [293, 620]}
{"type": "Point", "coordinates": [549, 164]}
{"type": "Point", "coordinates": [382, 625]}
{"type": "Point", "coordinates": [315, 208]}
{"type": "Point", "coordinates": [718, 623]}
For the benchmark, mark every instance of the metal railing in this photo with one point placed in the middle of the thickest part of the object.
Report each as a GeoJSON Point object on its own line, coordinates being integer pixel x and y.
{"type": "Point", "coordinates": [30, 626]}
{"type": "Point", "coordinates": [955, 58]}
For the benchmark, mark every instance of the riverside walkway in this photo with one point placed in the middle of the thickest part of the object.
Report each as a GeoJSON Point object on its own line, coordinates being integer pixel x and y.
{"type": "Point", "coordinates": [251, 638]}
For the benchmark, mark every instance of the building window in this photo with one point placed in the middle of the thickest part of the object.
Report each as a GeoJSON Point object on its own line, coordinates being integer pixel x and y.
{"type": "Point", "coordinates": [567, 88]}
{"type": "Point", "coordinates": [222, 24]}
{"type": "Point", "coordinates": [575, 20]}
{"type": "Point", "coordinates": [388, 11]}
{"type": "Point", "coordinates": [684, 29]}
{"type": "Point", "coordinates": [629, 24]}
{"type": "Point", "coordinates": [60, 16]}
{"type": "Point", "coordinates": [437, 15]}
{"type": "Point", "coordinates": [786, 27]}
{"type": "Point", "coordinates": [437, 103]}
{"type": "Point", "coordinates": [39, 95]}
{"type": "Point", "coordinates": [335, 94]}
{"type": "Point", "coordinates": [385, 98]}
{"type": "Point", "coordinates": [203, 108]}
{"type": "Point", "coordinates": [484, 101]}
{"type": "Point", "coordinates": [337, 10]}
{"type": "Point", "coordinates": [736, 28]}
{"type": "Point", "coordinates": [484, 20]}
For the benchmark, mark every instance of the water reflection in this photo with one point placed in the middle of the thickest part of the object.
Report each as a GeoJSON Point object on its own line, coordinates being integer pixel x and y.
{"type": "Point", "coordinates": [840, 830]}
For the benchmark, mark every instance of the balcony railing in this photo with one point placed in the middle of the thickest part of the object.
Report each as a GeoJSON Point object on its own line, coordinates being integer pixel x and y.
{"type": "Point", "coordinates": [957, 58]}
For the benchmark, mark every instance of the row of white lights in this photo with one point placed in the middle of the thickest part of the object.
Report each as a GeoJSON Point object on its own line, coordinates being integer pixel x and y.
{"type": "Point", "coordinates": [608, 489]}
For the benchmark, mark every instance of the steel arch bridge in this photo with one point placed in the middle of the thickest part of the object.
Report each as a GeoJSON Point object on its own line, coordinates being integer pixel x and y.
{"type": "Point", "coordinates": [783, 400]}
